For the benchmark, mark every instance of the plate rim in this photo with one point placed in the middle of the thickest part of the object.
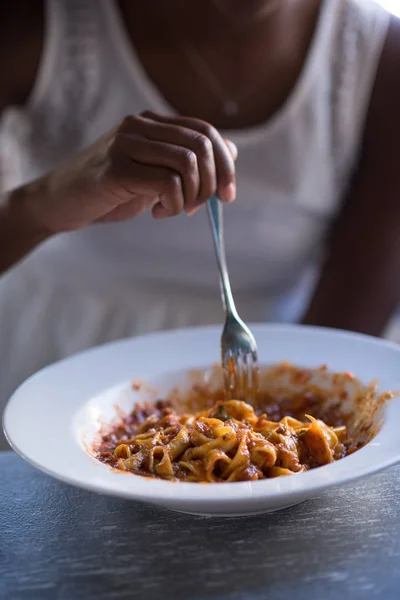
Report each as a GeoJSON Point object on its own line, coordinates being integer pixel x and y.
{"type": "Point", "coordinates": [208, 493]}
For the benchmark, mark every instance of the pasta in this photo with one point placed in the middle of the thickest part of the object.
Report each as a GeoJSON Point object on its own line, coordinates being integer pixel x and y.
{"type": "Point", "coordinates": [228, 442]}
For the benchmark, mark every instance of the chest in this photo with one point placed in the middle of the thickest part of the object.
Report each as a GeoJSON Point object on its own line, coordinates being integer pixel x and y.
{"type": "Point", "coordinates": [230, 72]}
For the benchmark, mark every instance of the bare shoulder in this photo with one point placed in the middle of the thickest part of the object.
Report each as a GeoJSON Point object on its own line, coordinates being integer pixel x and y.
{"type": "Point", "coordinates": [21, 41]}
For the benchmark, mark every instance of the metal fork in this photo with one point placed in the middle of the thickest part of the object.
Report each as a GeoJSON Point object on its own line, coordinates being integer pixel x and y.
{"type": "Point", "coordinates": [238, 346]}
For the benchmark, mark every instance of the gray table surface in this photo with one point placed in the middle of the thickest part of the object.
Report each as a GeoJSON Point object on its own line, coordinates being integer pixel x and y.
{"type": "Point", "coordinates": [58, 542]}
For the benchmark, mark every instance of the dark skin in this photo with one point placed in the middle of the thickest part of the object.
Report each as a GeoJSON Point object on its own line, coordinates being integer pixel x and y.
{"type": "Point", "coordinates": [257, 55]}
{"type": "Point", "coordinates": [358, 288]}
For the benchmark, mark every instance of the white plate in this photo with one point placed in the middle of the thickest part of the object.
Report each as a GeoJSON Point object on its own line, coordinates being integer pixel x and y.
{"type": "Point", "coordinates": [51, 415]}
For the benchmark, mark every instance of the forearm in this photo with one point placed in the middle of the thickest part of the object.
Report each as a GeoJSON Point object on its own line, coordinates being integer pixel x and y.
{"type": "Point", "coordinates": [360, 285]}
{"type": "Point", "coordinates": [19, 233]}
{"type": "Point", "coordinates": [359, 288]}
{"type": "Point", "coordinates": [357, 291]}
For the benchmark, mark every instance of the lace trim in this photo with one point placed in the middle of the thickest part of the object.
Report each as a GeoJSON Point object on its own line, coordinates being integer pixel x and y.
{"type": "Point", "coordinates": [345, 97]}
{"type": "Point", "coordinates": [74, 96]}
{"type": "Point", "coordinates": [342, 89]}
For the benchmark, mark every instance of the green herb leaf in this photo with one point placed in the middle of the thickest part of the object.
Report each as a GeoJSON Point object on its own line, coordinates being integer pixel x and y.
{"type": "Point", "coordinates": [221, 414]}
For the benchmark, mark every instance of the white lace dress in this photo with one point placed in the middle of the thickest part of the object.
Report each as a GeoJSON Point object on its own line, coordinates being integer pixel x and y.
{"type": "Point", "coordinates": [118, 280]}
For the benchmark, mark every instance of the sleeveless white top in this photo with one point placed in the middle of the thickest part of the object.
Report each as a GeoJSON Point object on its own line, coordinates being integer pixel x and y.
{"type": "Point", "coordinates": [116, 280]}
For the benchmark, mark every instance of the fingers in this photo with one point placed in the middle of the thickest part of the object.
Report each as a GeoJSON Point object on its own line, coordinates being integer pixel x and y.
{"type": "Point", "coordinates": [159, 211]}
{"type": "Point", "coordinates": [129, 210]}
{"type": "Point", "coordinates": [232, 148]}
{"type": "Point", "coordinates": [197, 145]}
{"type": "Point", "coordinates": [179, 159]}
{"type": "Point", "coordinates": [133, 179]}
{"type": "Point", "coordinates": [177, 163]}
{"type": "Point", "coordinates": [224, 154]}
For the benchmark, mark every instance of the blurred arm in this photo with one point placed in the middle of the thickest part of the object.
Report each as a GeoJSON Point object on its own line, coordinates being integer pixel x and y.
{"type": "Point", "coordinates": [19, 234]}
{"type": "Point", "coordinates": [21, 33]}
{"type": "Point", "coordinates": [360, 284]}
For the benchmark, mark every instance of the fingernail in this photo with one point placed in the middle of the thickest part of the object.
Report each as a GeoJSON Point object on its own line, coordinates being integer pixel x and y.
{"type": "Point", "coordinates": [192, 211]}
{"type": "Point", "coordinates": [163, 213]}
{"type": "Point", "coordinates": [229, 194]}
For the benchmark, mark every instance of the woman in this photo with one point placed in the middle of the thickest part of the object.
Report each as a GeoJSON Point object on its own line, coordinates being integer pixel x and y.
{"type": "Point", "coordinates": [308, 90]}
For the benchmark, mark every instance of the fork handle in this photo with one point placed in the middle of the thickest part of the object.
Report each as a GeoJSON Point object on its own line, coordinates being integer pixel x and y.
{"type": "Point", "coordinates": [214, 208]}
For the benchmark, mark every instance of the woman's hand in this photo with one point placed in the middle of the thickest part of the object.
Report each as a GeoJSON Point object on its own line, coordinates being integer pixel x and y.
{"type": "Point", "coordinates": [163, 164]}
